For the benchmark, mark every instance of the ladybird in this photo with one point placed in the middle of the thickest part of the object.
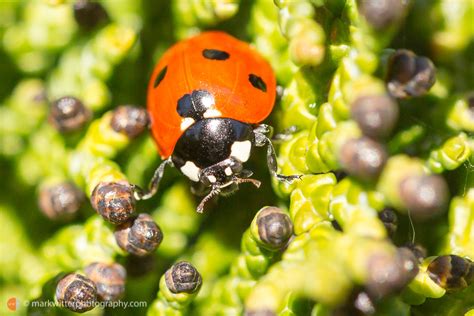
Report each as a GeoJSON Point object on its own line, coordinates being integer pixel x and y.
{"type": "Point", "coordinates": [207, 97]}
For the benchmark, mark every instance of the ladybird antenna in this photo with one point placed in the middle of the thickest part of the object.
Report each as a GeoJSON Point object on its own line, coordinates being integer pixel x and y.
{"type": "Point", "coordinates": [213, 193]}
{"type": "Point", "coordinates": [141, 194]}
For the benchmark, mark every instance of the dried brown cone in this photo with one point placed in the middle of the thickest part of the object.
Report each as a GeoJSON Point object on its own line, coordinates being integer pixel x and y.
{"type": "Point", "coordinates": [424, 196]}
{"type": "Point", "coordinates": [76, 293]}
{"type": "Point", "coordinates": [114, 201]}
{"type": "Point", "coordinates": [183, 277]}
{"type": "Point", "coordinates": [388, 274]}
{"type": "Point", "coordinates": [381, 14]}
{"type": "Point", "coordinates": [363, 158]}
{"type": "Point", "coordinates": [109, 279]}
{"type": "Point", "coordinates": [418, 251]}
{"type": "Point", "coordinates": [376, 115]}
{"type": "Point", "coordinates": [452, 272]}
{"type": "Point", "coordinates": [61, 201]}
{"type": "Point", "coordinates": [130, 120]}
{"type": "Point", "coordinates": [89, 14]}
{"type": "Point", "coordinates": [274, 227]}
{"type": "Point", "coordinates": [409, 75]}
{"type": "Point", "coordinates": [139, 236]}
{"type": "Point", "coordinates": [389, 219]}
{"type": "Point", "coordinates": [68, 114]}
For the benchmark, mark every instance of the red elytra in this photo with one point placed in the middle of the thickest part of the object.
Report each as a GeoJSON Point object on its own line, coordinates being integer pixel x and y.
{"type": "Point", "coordinates": [185, 68]}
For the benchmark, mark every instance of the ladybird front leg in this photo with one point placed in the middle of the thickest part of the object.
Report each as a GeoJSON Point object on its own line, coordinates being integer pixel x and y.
{"type": "Point", "coordinates": [261, 140]}
{"type": "Point", "coordinates": [141, 194]}
{"type": "Point", "coordinates": [214, 192]}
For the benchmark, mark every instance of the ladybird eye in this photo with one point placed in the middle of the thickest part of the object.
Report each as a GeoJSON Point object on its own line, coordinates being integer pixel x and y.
{"type": "Point", "coordinates": [160, 77]}
{"type": "Point", "coordinates": [215, 54]}
{"type": "Point", "coordinates": [257, 82]}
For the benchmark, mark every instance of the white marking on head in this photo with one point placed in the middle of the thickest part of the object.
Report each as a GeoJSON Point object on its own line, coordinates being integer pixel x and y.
{"type": "Point", "coordinates": [211, 178]}
{"type": "Point", "coordinates": [228, 171]}
{"type": "Point", "coordinates": [212, 113]}
{"type": "Point", "coordinates": [241, 150]}
{"type": "Point", "coordinates": [207, 101]}
{"type": "Point", "coordinates": [186, 122]}
{"type": "Point", "coordinates": [191, 171]}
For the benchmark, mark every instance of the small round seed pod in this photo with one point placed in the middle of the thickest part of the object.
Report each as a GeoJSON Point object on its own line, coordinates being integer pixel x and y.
{"type": "Point", "coordinates": [130, 120]}
{"type": "Point", "coordinates": [388, 274]}
{"type": "Point", "coordinates": [108, 278]}
{"type": "Point", "coordinates": [182, 277]}
{"type": "Point", "coordinates": [424, 196]}
{"type": "Point", "coordinates": [418, 251]}
{"type": "Point", "coordinates": [363, 158]}
{"type": "Point", "coordinates": [451, 272]}
{"type": "Point", "coordinates": [77, 293]}
{"type": "Point", "coordinates": [381, 14]}
{"type": "Point", "coordinates": [409, 75]}
{"type": "Point", "coordinates": [114, 201]}
{"type": "Point", "coordinates": [89, 14]}
{"type": "Point", "coordinates": [390, 220]}
{"type": "Point", "coordinates": [68, 114]}
{"type": "Point", "coordinates": [274, 227]}
{"type": "Point", "coordinates": [60, 201]}
{"type": "Point", "coordinates": [376, 115]}
{"type": "Point", "coordinates": [139, 236]}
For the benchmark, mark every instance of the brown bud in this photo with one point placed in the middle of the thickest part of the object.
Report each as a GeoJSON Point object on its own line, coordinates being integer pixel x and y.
{"type": "Point", "coordinates": [60, 201]}
{"type": "Point", "coordinates": [381, 14]}
{"type": "Point", "coordinates": [139, 236]}
{"type": "Point", "coordinates": [388, 274]}
{"type": "Point", "coordinates": [130, 120]}
{"type": "Point", "coordinates": [452, 272]}
{"type": "Point", "coordinates": [409, 75]}
{"type": "Point", "coordinates": [108, 278]}
{"type": "Point", "coordinates": [376, 115]}
{"type": "Point", "coordinates": [68, 114]}
{"type": "Point", "coordinates": [424, 196]}
{"type": "Point", "coordinates": [182, 277]}
{"type": "Point", "coordinates": [274, 227]}
{"type": "Point", "coordinates": [363, 158]}
{"type": "Point", "coordinates": [77, 293]}
{"type": "Point", "coordinates": [114, 201]}
{"type": "Point", "coordinates": [390, 220]}
{"type": "Point", "coordinates": [89, 14]}
{"type": "Point", "coordinates": [418, 251]}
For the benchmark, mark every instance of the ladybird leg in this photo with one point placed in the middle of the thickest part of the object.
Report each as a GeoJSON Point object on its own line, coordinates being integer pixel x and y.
{"type": "Point", "coordinates": [264, 130]}
{"type": "Point", "coordinates": [214, 192]}
{"type": "Point", "coordinates": [262, 140]}
{"type": "Point", "coordinates": [256, 183]}
{"type": "Point", "coordinates": [140, 194]}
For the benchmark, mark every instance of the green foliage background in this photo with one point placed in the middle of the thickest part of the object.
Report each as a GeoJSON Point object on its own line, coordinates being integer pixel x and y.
{"type": "Point", "coordinates": [325, 55]}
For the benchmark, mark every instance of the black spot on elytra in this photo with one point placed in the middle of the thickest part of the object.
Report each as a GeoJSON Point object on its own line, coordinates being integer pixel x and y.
{"type": "Point", "coordinates": [257, 82]}
{"type": "Point", "coordinates": [194, 104]}
{"type": "Point", "coordinates": [160, 77]}
{"type": "Point", "coordinates": [215, 54]}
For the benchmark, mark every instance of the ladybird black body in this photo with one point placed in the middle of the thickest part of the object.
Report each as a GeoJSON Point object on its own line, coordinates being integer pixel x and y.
{"type": "Point", "coordinates": [207, 98]}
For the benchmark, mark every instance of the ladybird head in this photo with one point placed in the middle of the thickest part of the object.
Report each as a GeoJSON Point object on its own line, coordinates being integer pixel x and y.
{"type": "Point", "coordinates": [211, 153]}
